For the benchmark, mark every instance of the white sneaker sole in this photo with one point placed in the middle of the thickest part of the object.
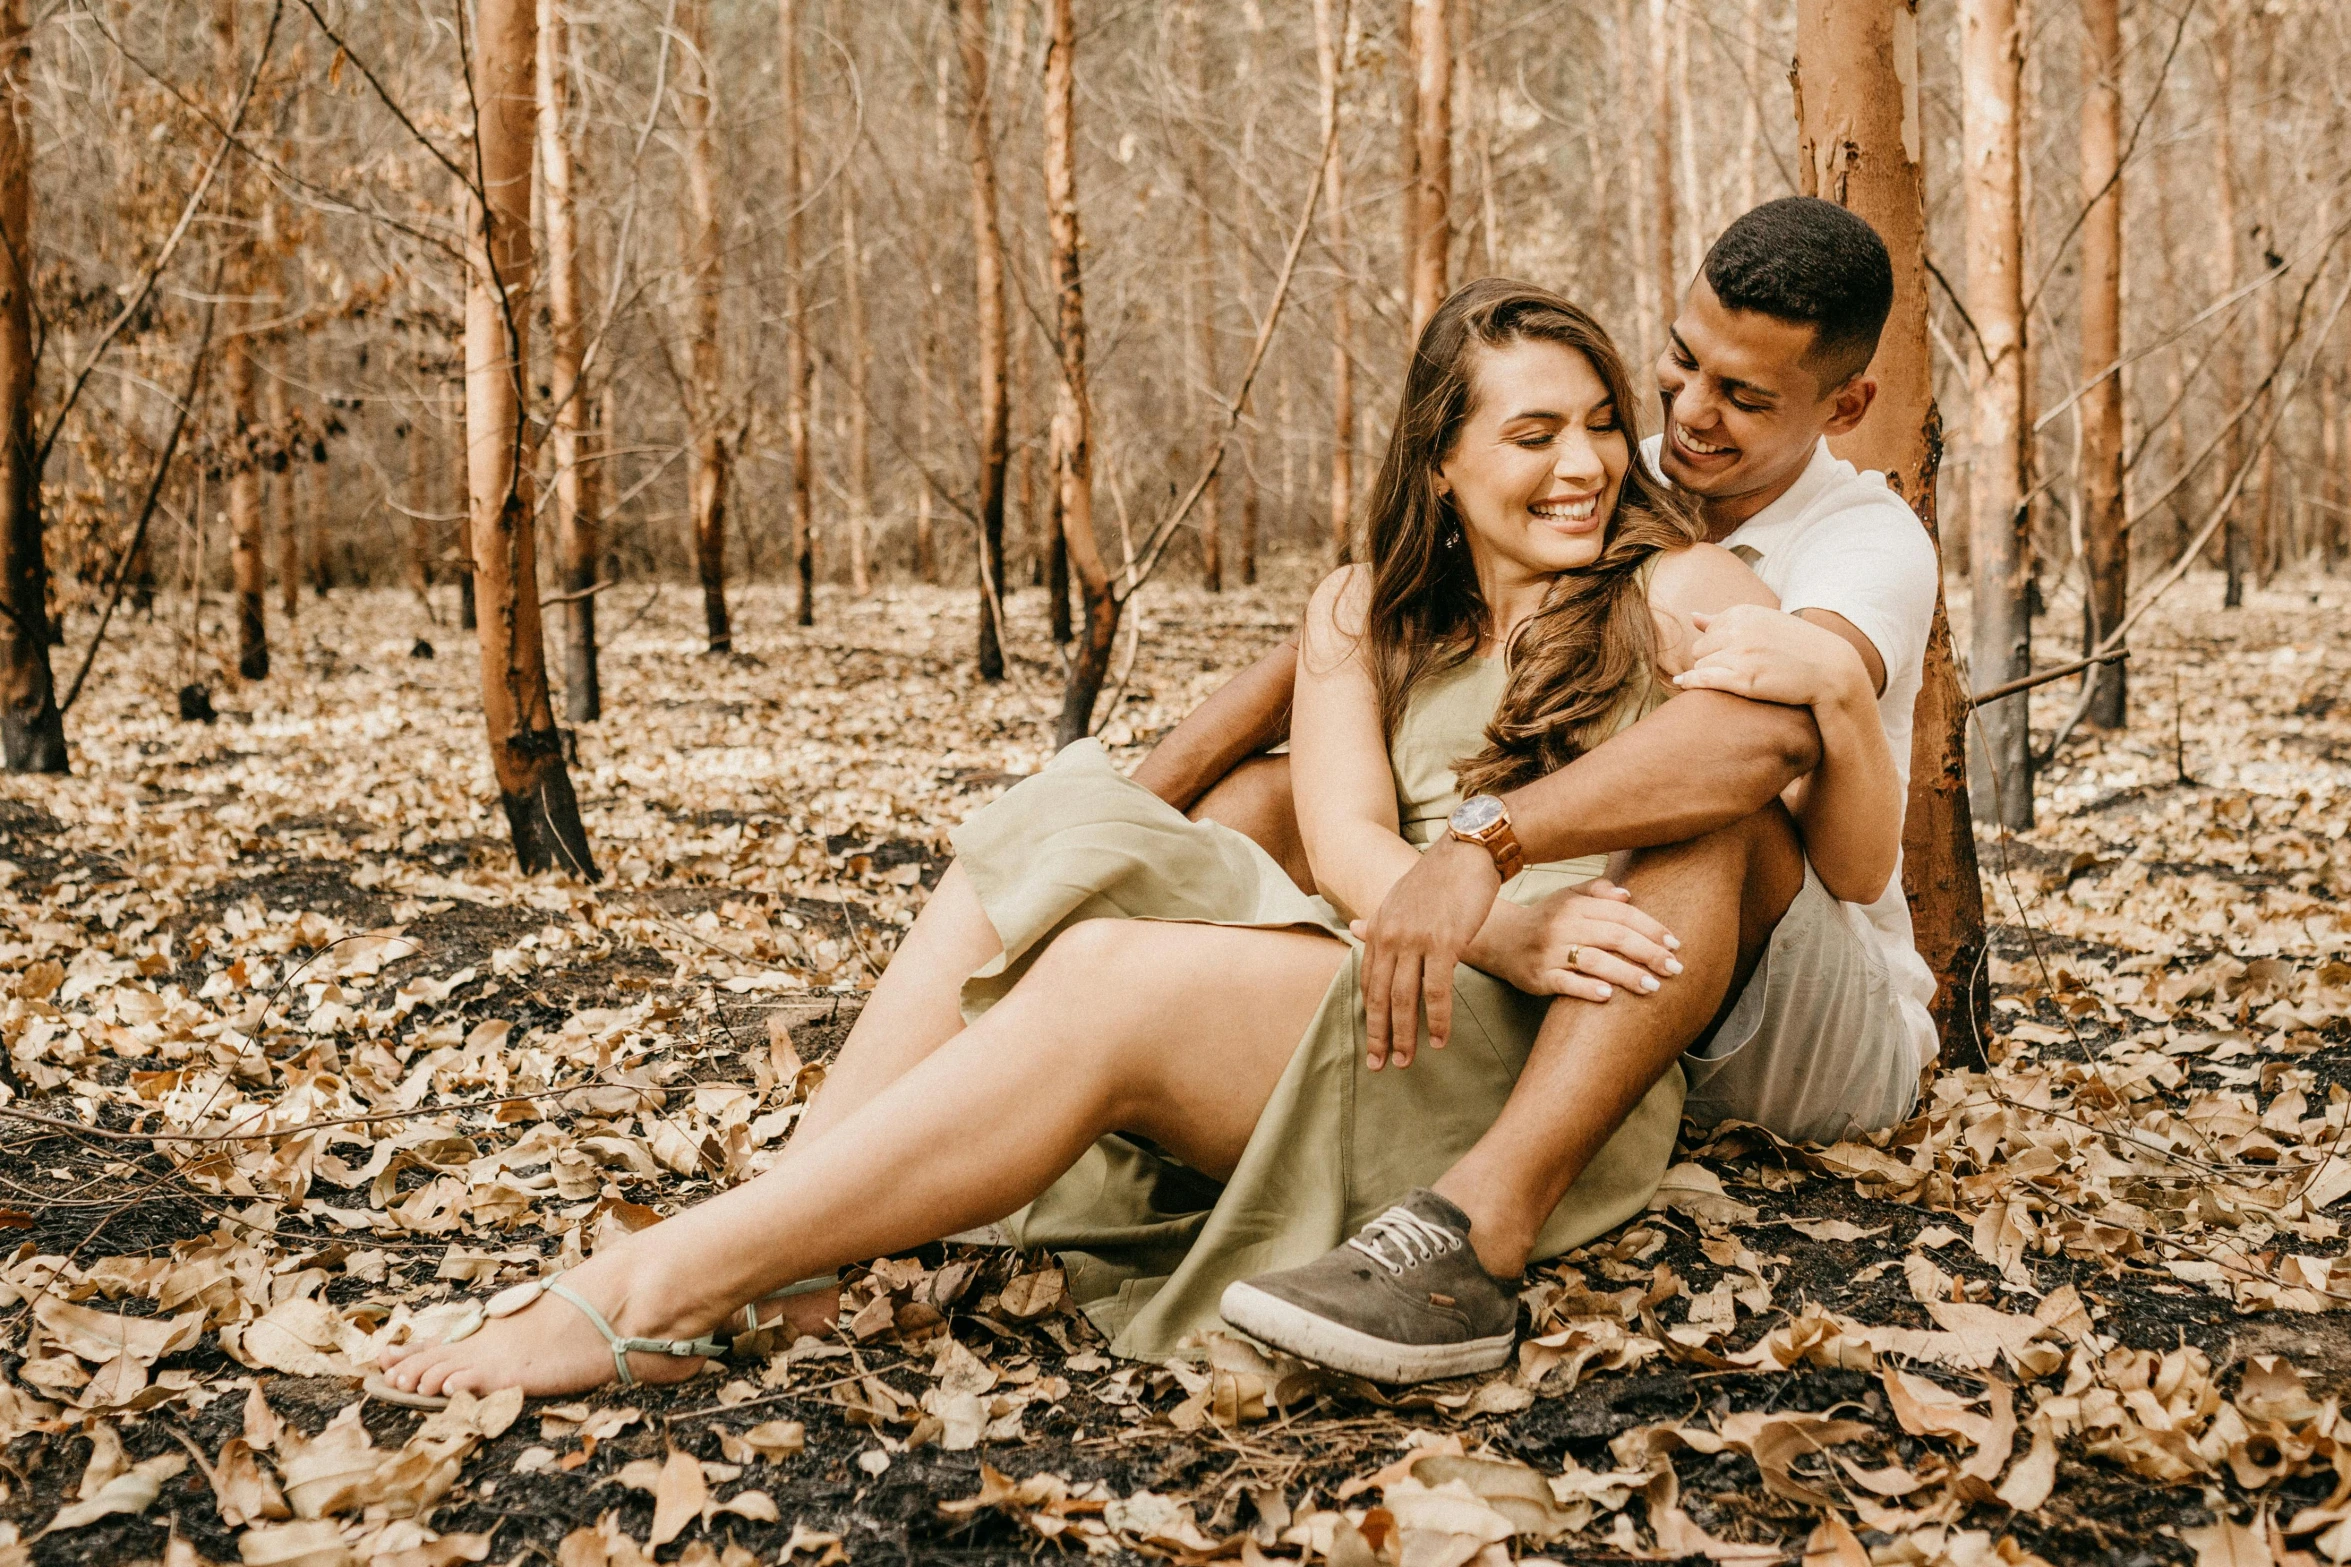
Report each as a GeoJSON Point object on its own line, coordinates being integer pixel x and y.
{"type": "Point", "coordinates": [1300, 1332]}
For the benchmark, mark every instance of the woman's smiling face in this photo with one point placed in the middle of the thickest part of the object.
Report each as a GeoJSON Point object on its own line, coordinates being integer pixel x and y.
{"type": "Point", "coordinates": [1535, 470]}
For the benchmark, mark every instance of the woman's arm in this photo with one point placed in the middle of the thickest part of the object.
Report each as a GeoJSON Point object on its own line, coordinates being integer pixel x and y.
{"type": "Point", "coordinates": [1339, 769]}
{"type": "Point", "coordinates": [1849, 808]}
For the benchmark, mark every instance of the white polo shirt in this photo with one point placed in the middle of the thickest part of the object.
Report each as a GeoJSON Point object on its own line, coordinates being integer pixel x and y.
{"type": "Point", "coordinates": [1840, 540]}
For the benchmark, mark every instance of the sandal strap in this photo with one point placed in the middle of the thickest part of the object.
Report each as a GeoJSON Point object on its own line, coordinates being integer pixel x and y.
{"type": "Point", "coordinates": [708, 1346]}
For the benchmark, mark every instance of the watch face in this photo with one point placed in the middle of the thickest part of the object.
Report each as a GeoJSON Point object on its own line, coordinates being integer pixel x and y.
{"type": "Point", "coordinates": [1477, 813]}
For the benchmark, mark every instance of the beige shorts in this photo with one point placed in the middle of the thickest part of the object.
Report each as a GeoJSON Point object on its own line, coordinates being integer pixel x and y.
{"type": "Point", "coordinates": [1815, 1046]}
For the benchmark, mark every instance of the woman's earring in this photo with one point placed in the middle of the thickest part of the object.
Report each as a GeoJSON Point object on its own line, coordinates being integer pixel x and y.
{"type": "Point", "coordinates": [1452, 535]}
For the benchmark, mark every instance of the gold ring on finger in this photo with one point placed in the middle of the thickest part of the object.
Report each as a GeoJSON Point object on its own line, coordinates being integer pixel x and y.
{"type": "Point", "coordinates": [1575, 957]}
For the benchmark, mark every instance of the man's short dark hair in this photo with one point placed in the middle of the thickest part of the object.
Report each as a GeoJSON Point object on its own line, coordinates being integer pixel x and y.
{"type": "Point", "coordinates": [1804, 259]}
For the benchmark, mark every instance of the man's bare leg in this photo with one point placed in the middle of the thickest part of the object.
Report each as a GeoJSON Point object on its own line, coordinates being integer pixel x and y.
{"type": "Point", "coordinates": [1254, 800]}
{"type": "Point", "coordinates": [1722, 893]}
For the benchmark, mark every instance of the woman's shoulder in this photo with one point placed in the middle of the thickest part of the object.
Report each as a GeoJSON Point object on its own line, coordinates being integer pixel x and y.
{"type": "Point", "coordinates": [1340, 606]}
{"type": "Point", "coordinates": [1703, 578]}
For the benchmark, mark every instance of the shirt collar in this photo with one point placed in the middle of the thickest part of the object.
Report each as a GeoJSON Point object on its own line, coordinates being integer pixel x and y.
{"type": "Point", "coordinates": [1770, 526]}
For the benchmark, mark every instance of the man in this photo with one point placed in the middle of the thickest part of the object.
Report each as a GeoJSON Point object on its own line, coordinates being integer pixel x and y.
{"type": "Point", "coordinates": [1797, 1011]}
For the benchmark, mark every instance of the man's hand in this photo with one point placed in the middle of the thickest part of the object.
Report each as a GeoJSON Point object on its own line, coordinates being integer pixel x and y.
{"type": "Point", "coordinates": [1410, 946]}
{"type": "Point", "coordinates": [1585, 942]}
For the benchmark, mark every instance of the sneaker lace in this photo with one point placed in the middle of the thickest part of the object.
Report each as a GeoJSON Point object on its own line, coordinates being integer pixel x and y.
{"type": "Point", "coordinates": [1411, 1238]}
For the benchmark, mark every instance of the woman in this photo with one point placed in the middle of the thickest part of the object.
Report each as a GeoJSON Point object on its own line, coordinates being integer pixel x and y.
{"type": "Point", "coordinates": [1130, 1037]}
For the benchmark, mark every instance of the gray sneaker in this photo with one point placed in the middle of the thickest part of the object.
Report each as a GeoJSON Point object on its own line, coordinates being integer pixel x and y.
{"type": "Point", "coordinates": [1404, 1301]}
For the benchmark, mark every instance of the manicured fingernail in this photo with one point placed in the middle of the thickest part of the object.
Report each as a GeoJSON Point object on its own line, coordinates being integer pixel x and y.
{"type": "Point", "coordinates": [1371, 1063]}
{"type": "Point", "coordinates": [1673, 965]}
{"type": "Point", "coordinates": [1605, 992]}
{"type": "Point", "coordinates": [1673, 943]}
{"type": "Point", "coordinates": [1649, 983]}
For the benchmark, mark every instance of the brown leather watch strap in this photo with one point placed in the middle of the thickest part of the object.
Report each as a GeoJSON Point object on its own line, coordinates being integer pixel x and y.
{"type": "Point", "coordinates": [1502, 844]}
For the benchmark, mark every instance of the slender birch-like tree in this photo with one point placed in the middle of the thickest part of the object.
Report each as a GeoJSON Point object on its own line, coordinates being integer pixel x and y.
{"type": "Point", "coordinates": [2000, 542]}
{"type": "Point", "coordinates": [248, 560]}
{"type": "Point", "coordinates": [525, 751]}
{"type": "Point", "coordinates": [706, 281]}
{"type": "Point", "coordinates": [2104, 544]}
{"type": "Point", "coordinates": [799, 361]}
{"type": "Point", "coordinates": [987, 240]}
{"type": "Point", "coordinates": [577, 533]}
{"type": "Point", "coordinates": [1432, 184]}
{"type": "Point", "coordinates": [1332, 32]}
{"type": "Point", "coordinates": [1073, 459]}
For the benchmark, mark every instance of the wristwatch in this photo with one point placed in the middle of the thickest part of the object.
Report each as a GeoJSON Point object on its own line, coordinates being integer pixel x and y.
{"type": "Point", "coordinates": [1482, 819]}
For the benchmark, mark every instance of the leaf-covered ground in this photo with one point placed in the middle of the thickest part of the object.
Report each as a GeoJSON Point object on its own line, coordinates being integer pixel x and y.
{"type": "Point", "coordinates": [296, 1062]}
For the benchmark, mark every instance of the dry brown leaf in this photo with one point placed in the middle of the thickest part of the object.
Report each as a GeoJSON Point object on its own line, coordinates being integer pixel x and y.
{"type": "Point", "coordinates": [2228, 1543]}
{"type": "Point", "coordinates": [309, 1542]}
{"type": "Point", "coordinates": [1833, 1545]}
{"type": "Point", "coordinates": [244, 1490]}
{"type": "Point", "coordinates": [679, 1495]}
{"type": "Point", "coordinates": [2028, 1484]}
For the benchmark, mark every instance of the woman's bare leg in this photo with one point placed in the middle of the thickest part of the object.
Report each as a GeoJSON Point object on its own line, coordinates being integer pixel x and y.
{"type": "Point", "coordinates": [1177, 1032]}
{"type": "Point", "coordinates": [914, 1010]}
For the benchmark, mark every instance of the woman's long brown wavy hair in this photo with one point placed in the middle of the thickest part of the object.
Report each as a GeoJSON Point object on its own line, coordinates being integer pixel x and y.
{"type": "Point", "coordinates": [1592, 645]}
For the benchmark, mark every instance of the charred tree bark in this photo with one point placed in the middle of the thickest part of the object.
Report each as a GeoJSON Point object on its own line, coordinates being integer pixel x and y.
{"type": "Point", "coordinates": [525, 751]}
{"type": "Point", "coordinates": [1331, 30]}
{"type": "Point", "coordinates": [2000, 541]}
{"type": "Point", "coordinates": [2106, 546]}
{"type": "Point", "coordinates": [1857, 107]}
{"type": "Point", "coordinates": [799, 363]}
{"type": "Point", "coordinates": [577, 533]}
{"type": "Point", "coordinates": [1073, 460]}
{"type": "Point", "coordinates": [32, 733]}
{"type": "Point", "coordinates": [1432, 184]}
{"type": "Point", "coordinates": [987, 240]}
{"type": "Point", "coordinates": [707, 476]}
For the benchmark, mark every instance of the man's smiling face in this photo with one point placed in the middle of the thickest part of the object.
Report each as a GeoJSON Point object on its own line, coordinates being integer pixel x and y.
{"type": "Point", "coordinates": [1743, 409]}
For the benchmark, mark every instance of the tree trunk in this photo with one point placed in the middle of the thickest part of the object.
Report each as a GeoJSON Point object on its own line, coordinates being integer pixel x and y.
{"type": "Point", "coordinates": [1858, 115]}
{"type": "Point", "coordinates": [926, 543]}
{"type": "Point", "coordinates": [248, 564]}
{"type": "Point", "coordinates": [859, 354]}
{"type": "Point", "coordinates": [799, 363]}
{"type": "Point", "coordinates": [525, 751]}
{"type": "Point", "coordinates": [1750, 106]}
{"type": "Point", "coordinates": [1432, 184]}
{"type": "Point", "coordinates": [284, 474]}
{"type": "Point", "coordinates": [987, 240]}
{"type": "Point", "coordinates": [2000, 542]}
{"type": "Point", "coordinates": [32, 735]}
{"type": "Point", "coordinates": [1204, 377]}
{"type": "Point", "coordinates": [1072, 442]}
{"type": "Point", "coordinates": [423, 501]}
{"type": "Point", "coordinates": [2103, 541]}
{"type": "Point", "coordinates": [577, 541]}
{"type": "Point", "coordinates": [1330, 49]}
{"type": "Point", "coordinates": [706, 481]}
{"type": "Point", "coordinates": [1661, 193]}
{"type": "Point", "coordinates": [2228, 354]}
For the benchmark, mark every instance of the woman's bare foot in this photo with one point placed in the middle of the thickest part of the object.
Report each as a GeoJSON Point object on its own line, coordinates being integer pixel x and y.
{"type": "Point", "coordinates": [550, 1346]}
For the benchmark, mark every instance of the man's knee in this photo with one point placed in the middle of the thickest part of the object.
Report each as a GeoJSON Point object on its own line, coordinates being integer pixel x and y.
{"type": "Point", "coordinates": [1254, 800]}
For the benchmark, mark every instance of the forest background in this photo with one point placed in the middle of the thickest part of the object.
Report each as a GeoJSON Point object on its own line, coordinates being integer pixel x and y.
{"type": "Point", "coordinates": [784, 423]}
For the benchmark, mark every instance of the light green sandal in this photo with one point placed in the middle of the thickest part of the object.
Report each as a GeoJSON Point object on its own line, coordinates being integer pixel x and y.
{"type": "Point", "coordinates": [710, 1346]}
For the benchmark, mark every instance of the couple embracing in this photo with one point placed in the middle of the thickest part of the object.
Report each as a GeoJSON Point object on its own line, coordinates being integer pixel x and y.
{"type": "Point", "coordinates": [1330, 1046]}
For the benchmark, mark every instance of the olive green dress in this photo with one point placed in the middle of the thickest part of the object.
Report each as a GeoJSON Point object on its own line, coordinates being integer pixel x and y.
{"type": "Point", "coordinates": [1150, 1244]}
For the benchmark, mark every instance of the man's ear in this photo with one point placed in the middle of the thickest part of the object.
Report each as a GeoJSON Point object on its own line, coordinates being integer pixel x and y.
{"type": "Point", "coordinates": [1849, 405]}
